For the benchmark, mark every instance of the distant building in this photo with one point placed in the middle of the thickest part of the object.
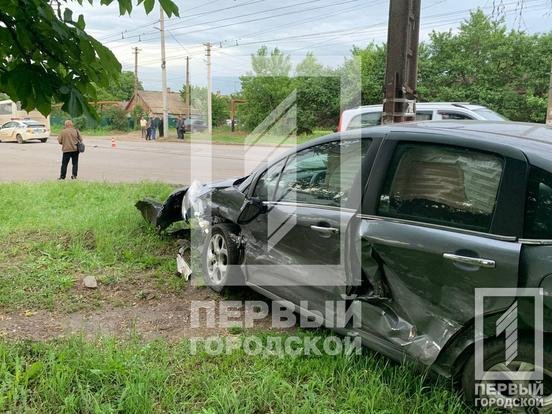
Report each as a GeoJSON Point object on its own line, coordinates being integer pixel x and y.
{"type": "Point", "coordinates": [151, 102]}
{"type": "Point", "coordinates": [12, 110]}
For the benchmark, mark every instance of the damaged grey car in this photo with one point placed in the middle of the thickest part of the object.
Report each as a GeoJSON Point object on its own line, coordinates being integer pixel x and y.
{"type": "Point", "coordinates": [428, 232]}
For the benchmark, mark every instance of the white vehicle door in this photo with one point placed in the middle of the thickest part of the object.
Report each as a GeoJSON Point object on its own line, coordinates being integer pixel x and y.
{"type": "Point", "coordinates": [7, 131]}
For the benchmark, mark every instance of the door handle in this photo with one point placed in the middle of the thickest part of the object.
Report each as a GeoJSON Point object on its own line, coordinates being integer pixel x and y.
{"type": "Point", "coordinates": [472, 261]}
{"type": "Point", "coordinates": [326, 231]}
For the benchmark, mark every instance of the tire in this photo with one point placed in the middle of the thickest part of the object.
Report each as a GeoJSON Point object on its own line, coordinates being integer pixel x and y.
{"type": "Point", "coordinates": [43, 140]}
{"type": "Point", "coordinates": [219, 251]}
{"type": "Point", "coordinates": [19, 139]}
{"type": "Point", "coordinates": [494, 358]}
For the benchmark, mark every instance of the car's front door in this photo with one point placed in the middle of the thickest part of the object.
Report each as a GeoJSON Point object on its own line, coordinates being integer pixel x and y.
{"type": "Point", "coordinates": [7, 131]}
{"type": "Point", "coordinates": [442, 224]}
{"type": "Point", "coordinates": [297, 249]}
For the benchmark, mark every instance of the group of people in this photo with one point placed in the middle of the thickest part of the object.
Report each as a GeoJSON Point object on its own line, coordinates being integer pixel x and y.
{"type": "Point", "coordinates": [151, 126]}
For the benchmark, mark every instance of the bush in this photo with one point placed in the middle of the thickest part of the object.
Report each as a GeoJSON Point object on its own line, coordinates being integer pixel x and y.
{"type": "Point", "coordinates": [116, 118]}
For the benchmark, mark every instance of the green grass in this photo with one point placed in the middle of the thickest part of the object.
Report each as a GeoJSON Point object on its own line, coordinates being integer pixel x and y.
{"type": "Point", "coordinates": [223, 135]}
{"type": "Point", "coordinates": [52, 234]}
{"type": "Point", "coordinates": [98, 132]}
{"type": "Point", "coordinates": [75, 376]}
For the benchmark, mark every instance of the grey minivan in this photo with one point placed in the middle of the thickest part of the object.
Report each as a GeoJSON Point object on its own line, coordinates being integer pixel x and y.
{"type": "Point", "coordinates": [440, 234]}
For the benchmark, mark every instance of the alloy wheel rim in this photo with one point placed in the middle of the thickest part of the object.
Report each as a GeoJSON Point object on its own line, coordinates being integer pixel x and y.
{"type": "Point", "coordinates": [217, 259]}
{"type": "Point", "coordinates": [521, 366]}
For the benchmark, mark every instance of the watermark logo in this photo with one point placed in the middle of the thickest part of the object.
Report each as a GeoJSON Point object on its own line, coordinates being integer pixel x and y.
{"type": "Point", "coordinates": [511, 380]}
{"type": "Point", "coordinates": [507, 324]}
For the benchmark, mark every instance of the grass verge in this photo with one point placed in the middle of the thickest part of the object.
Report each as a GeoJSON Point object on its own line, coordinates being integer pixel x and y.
{"type": "Point", "coordinates": [108, 376]}
{"type": "Point", "coordinates": [53, 234]}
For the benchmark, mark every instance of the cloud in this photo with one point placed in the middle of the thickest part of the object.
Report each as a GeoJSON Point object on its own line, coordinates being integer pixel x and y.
{"type": "Point", "coordinates": [329, 28]}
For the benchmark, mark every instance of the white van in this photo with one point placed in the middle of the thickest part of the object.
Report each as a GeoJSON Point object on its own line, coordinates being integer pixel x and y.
{"type": "Point", "coordinates": [370, 115]}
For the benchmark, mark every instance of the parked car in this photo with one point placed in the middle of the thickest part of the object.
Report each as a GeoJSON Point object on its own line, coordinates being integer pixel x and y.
{"type": "Point", "coordinates": [429, 213]}
{"type": "Point", "coordinates": [23, 131]}
{"type": "Point", "coordinates": [195, 125]}
{"type": "Point", "coordinates": [370, 115]}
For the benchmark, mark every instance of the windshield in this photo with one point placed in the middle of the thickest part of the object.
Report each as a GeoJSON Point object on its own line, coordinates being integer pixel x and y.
{"type": "Point", "coordinates": [490, 115]}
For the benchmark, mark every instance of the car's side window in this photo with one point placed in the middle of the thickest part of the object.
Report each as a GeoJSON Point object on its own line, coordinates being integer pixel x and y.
{"type": "Point", "coordinates": [454, 115]}
{"type": "Point", "coordinates": [441, 184]}
{"type": "Point", "coordinates": [538, 207]}
{"type": "Point", "coordinates": [268, 181]}
{"type": "Point", "coordinates": [365, 120]}
{"type": "Point", "coordinates": [323, 174]}
{"type": "Point", "coordinates": [424, 116]}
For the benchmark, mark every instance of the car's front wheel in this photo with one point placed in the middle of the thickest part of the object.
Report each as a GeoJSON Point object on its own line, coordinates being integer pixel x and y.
{"type": "Point", "coordinates": [43, 140]}
{"type": "Point", "coordinates": [221, 258]}
{"type": "Point", "coordinates": [507, 392]}
{"type": "Point", "coordinates": [19, 139]}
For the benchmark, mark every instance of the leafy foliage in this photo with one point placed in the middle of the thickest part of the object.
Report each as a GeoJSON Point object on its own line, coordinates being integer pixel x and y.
{"type": "Point", "coordinates": [46, 55]}
{"type": "Point", "coordinates": [482, 63]}
{"type": "Point", "coordinates": [220, 105]}
{"type": "Point", "coordinates": [120, 88]}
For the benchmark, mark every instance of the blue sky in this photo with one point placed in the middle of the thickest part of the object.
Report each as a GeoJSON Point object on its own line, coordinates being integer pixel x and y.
{"type": "Point", "coordinates": [237, 28]}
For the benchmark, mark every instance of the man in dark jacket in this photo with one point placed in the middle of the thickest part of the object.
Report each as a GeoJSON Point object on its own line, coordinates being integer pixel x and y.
{"type": "Point", "coordinates": [181, 127]}
{"type": "Point", "coordinates": [68, 139]}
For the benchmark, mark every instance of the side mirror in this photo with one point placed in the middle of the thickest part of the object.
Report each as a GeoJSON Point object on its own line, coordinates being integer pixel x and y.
{"type": "Point", "coordinates": [251, 209]}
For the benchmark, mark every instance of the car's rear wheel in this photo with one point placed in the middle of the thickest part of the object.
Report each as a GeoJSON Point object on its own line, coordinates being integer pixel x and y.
{"type": "Point", "coordinates": [19, 139]}
{"type": "Point", "coordinates": [499, 391]}
{"type": "Point", "coordinates": [43, 140]}
{"type": "Point", "coordinates": [221, 258]}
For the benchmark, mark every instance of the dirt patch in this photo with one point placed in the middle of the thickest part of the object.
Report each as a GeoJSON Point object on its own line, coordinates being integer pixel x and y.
{"type": "Point", "coordinates": [133, 311]}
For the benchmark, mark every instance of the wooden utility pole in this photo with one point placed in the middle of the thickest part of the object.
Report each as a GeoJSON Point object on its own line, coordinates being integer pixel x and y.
{"type": "Point", "coordinates": [164, 73]}
{"type": "Point", "coordinates": [549, 112]}
{"type": "Point", "coordinates": [135, 51]}
{"type": "Point", "coordinates": [188, 91]}
{"type": "Point", "coordinates": [209, 90]}
{"type": "Point", "coordinates": [402, 61]}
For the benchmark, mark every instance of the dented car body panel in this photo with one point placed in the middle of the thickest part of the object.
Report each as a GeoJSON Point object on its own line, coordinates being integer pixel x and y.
{"type": "Point", "coordinates": [407, 262]}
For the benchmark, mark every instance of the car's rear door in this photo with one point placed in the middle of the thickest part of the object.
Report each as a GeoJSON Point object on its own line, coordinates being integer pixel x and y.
{"type": "Point", "coordinates": [297, 250]}
{"type": "Point", "coordinates": [440, 221]}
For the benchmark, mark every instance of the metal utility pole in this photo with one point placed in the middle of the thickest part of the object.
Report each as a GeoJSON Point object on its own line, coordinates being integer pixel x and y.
{"type": "Point", "coordinates": [209, 91]}
{"type": "Point", "coordinates": [188, 91]}
{"type": "Point", "coordinates": [164, 73]}
{"type": "Point", "coordinates": [549, 113]}
{"type": "Point", "coordinates": [402, 61]}
{"type": "Point", "coordinates": [135, 51]}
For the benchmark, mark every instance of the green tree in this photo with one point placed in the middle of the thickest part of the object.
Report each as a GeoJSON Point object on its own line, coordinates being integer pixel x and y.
{"type": "Point", "coordinates": [318, 95]}
{"type": "Point", "coordinates": [119, 89]}
{"type": "Point", "coordinates": [220, 104]}
{"type": "Point", "coordinates": [365, 70]}
{"type": "Point", "coordinates": [487, 64]}
{"type": "Point", "coordinates": [265, 88]}
{"type": "Point", "coordinates": [46, 54]}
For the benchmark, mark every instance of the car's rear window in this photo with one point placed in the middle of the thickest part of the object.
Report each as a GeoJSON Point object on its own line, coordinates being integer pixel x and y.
{"type": "Point", "coordinates": [33, 123]}
{"type": "Point", "coordinates": [538, 207]}
{"type": "Point", "coordinates": [490, 115]}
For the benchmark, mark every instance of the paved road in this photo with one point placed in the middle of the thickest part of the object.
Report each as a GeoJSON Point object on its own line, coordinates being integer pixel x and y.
{"type": "Point", "coordinates": [132, 161]}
